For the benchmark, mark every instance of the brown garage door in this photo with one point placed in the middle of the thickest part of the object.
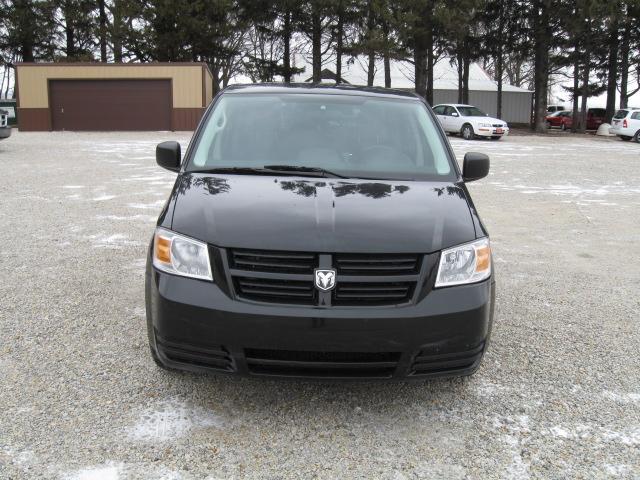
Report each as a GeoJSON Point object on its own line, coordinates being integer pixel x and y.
{"type": "Point", "coordinates": [110, 104]}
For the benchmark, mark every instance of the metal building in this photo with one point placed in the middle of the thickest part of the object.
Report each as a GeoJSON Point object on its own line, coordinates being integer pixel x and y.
{"type": "Point", "coordinates": [103, 96]}
{"type": "Point", "coordinates": [483, 91]}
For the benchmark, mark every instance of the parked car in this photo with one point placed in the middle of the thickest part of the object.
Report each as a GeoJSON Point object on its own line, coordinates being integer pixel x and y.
{"type": "Point", "coordinates": [555, 108]}
{"type": "Point", "coordinates": [469, 121]}
{"type": "Point", "coordinates": [626, 124]}
{"type": "Point", "coordinates": [595, 117]}
{"type": "Point", "coordinates": [558, 119]}
{"type": "Point", "coordinates": [5, 128]}
{"type": "Point", "coordinates": [320, 232]}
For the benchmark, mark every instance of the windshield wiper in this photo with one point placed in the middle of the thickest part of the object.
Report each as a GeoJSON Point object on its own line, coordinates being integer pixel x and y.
{"type": "Point", "coordinates": [235, 170]}
{"type": "Point", "coordinates": [319, 172]}
{"type": "Point", "coordinates": [270, 170]}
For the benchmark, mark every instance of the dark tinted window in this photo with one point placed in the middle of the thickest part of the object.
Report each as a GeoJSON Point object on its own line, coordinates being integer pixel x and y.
{"type": "Point", "coordinates": [439, 110]}
{"type": "Point", "coordinates": [636, 116]}
{"type": "Point", "coordinates": [620, 114]}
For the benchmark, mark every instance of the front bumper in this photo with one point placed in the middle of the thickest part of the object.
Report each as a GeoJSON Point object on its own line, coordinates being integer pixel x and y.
{"type": "Point", "coordinates": [193, 325]}
{"type": "Point", "coordinates": [492, 132]}
{"type": "Point", "coordinates": [5, 132]}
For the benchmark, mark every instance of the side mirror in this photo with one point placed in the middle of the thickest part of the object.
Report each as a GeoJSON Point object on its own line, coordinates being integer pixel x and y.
{"type": "Point", "coordinates": [454, 114]}
{"type": "Point", "coordinates": [475, 166]}
{"type": "Point", "coordinates": [168, 155]}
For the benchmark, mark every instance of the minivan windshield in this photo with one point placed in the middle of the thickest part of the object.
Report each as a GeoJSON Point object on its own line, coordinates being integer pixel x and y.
{"type": "Point", "coordinates": [348, 135]}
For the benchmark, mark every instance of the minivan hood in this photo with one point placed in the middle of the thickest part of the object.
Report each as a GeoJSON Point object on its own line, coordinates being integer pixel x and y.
{"type": "Point", "coordinates": [321, 215]}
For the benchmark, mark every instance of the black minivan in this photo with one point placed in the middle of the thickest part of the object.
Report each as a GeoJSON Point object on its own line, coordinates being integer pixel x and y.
{"type": "Point", "coordinates": [320, 232]}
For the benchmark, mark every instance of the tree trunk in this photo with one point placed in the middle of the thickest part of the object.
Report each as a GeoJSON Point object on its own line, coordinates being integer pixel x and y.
{"type": "Point", "coordinates": [499, 73]}
{"type": "Point", "coordinates": [585, 92]}
{"type": "Point", "coordinates": [70, 48]}
{"type": "Point", "coordinates": [420, 77]}
{"type": "Point", "coordinates": [286, 39]}
{"type": "Point", "coordinates": [316, 44]}
{"type": "Point", "coordinates": [460, 62]}
{"type": "Point", "coordinates": [429, 47]}
{"type": "Point", "coordinates": [215, 73]}
{"type": "Point", "coordinates": [386, 57]}
{"type": "Point", "coordinates": [339, 39]}
{"type": "Point", "coordinates": [625, 49]}
{"type": "Point", "coordinates": [102, 16]}
{"type": "Point", "coordinates": [576, 87]}
{"type": "Point", "coordinates": [465, 73]}
{"type": "Point", "coordinates": [116, 33]}
{"type": "Point", "coordinates": [370, 52]}
{"type": "Point", "coordinates": [500, 62]}
{"type": "Point", "coordinates": [612, 75]}
{"type": "Point", "coordinates": [541, 62]}
{"type": "Point", "coordinates": [26, 51]}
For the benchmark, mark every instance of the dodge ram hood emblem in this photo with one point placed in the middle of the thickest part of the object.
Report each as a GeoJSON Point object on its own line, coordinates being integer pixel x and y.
{"type": "Point", "coordinates": [325, 279]}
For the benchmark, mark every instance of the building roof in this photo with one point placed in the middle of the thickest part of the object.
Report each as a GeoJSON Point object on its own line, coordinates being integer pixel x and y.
{"type": "Point", "coordinates": [402, 74]}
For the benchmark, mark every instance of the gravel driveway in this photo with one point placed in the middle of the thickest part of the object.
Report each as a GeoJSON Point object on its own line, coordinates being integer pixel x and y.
{"type": "Point", "coordinates": [558, 394]}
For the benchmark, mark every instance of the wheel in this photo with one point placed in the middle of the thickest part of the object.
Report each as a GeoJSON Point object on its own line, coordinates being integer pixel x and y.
{"type": "Point", "coordinates": [636, 137]}
{"type": "Point", "coordinates": [496, 138]}
{"type": "Point", "coordinates": [467, 132]}
{"type": "Point", "coordinates": [625, 138]}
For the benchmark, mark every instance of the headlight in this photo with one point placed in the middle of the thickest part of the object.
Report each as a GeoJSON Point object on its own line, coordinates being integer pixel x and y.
{"type": "Point", "coordinates": [468, 263]}
{"type": "Point", "coordinates": [484, 125]}
{"type": "Point", "coordinates": [180, 255]}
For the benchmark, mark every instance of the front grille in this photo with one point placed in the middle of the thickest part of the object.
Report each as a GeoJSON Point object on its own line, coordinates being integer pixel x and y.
{"type": "Point", "coordinates": [321, 364]}
{"type": "Point", "coordinates": [497, 125]}
{"type": "Point", "coordinates": [376, 264]}
{"type": "Point", "coordinates": [372, 293]}
{"type": "Point", "coordinates": [210, 356]}
{"type": "Point", "coordinates": [281, 277]}
{"type": "Point", "coordinates": [273, 261]}
{"type": "Point", "coordinates": [430, 363]}
{"type": "Point", "coordinates": [275, 290]}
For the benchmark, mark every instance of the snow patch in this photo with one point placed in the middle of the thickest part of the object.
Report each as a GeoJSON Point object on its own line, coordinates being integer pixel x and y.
{"type": "Point", "coordinates": [622, 397]}
{"type": "Point", "coordinates": [171, 419]}
{"type": "Point", "coordinates": [144, 218]}
{"type": "Point", "coordinates": [106, 472]}
{"type": "Point", "coordinates": [102, 198]}
{"type": "Point", "coordinates": [146, 206]}
{"type": "Point", "coordinates": [579, 432]}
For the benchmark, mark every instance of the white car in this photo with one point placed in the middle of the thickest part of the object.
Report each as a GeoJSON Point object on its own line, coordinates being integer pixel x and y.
{"type": "Point", "coordinates": [469, 121]}
{"type": "Point", "coordinates": [5, 128]}
{"type": "Point", "coordinates": [626, 124]}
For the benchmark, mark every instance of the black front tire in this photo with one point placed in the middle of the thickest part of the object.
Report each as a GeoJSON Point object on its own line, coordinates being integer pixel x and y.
{"type": "Point", "coordinates": [467, 132]}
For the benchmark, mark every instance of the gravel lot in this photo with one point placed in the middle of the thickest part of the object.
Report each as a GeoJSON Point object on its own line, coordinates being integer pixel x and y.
{"type": "Point", "coordinates": [558, 395]}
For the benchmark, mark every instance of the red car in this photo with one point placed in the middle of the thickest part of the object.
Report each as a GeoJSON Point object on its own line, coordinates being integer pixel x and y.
{"type": "Point", "coordinates": [560, 119]}
{"type": "Point", "coordinates": [564, 120]}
